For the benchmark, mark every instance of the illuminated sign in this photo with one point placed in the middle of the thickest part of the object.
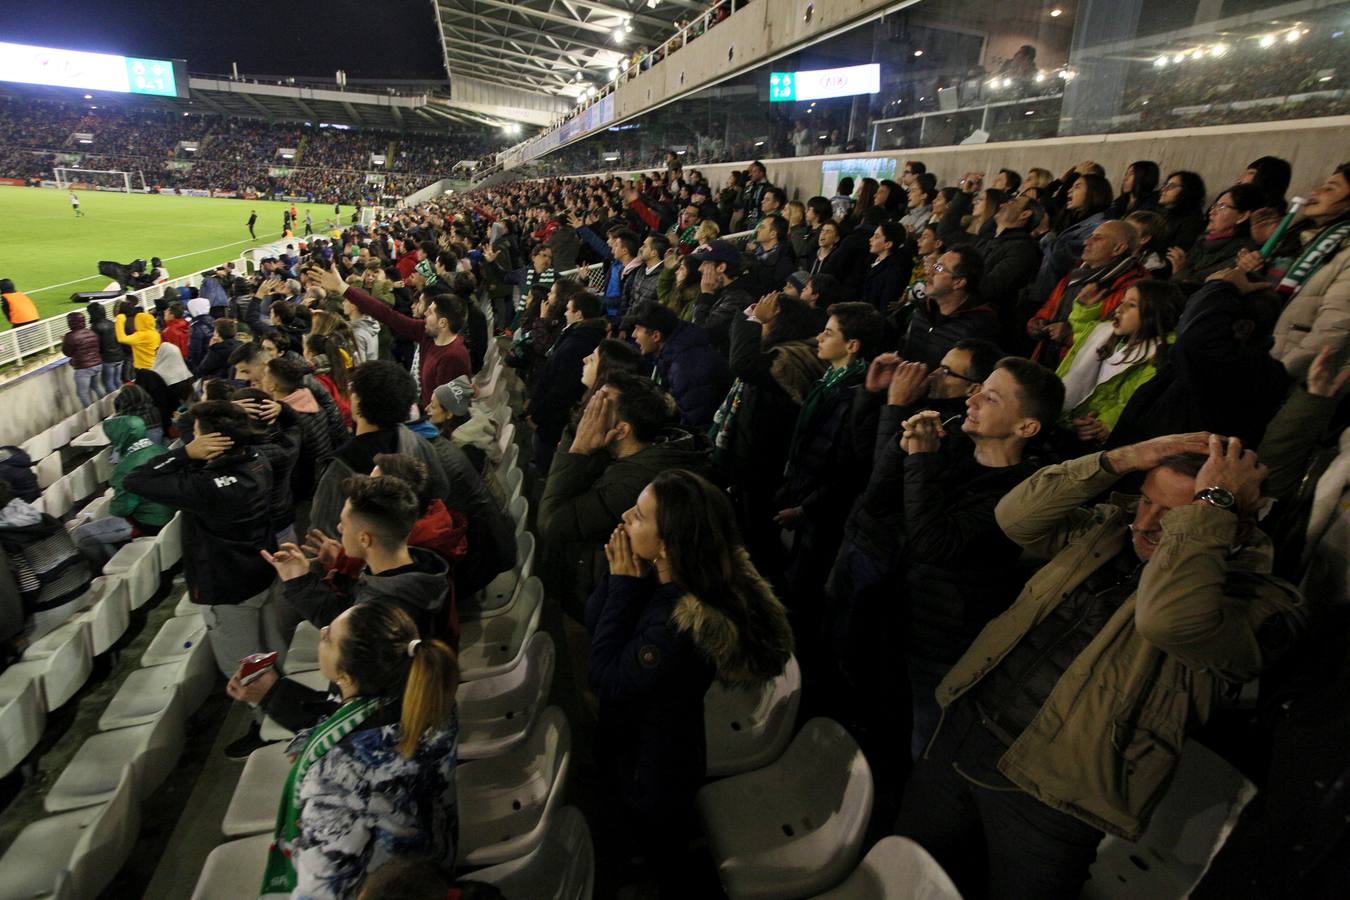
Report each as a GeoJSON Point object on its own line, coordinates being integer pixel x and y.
{"type": "Point", "coordinates": [90, 71]}
{"type": "Point", "coordinates": [821, 84]}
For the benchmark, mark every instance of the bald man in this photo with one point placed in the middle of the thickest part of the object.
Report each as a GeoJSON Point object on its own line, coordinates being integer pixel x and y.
{"type": "Point", "coordinates": [1108, 268]}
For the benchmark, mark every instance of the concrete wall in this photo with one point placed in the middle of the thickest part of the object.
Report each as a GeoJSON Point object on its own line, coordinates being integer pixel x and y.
{"type": "Point", "coordinates": [1219, 153]}
{"type": "Point", "coordinates": [37, 400]}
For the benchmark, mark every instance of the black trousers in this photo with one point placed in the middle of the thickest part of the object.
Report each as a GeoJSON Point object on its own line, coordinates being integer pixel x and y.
{"type": "Point", "coordinates": [994, 839]}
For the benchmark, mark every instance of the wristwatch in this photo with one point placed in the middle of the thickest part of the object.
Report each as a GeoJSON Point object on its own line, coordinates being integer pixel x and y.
{"type": "Point", "coordinates": [1217, 496]}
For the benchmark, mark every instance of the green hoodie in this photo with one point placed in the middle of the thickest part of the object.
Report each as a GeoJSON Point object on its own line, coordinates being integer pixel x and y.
{"type": "Point", "coordinates": [127, 435]}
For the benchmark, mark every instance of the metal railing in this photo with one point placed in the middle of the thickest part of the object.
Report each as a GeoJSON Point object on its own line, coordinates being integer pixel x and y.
{"type": "Point", "coordinates": [645, 60]}
{"type": "Point", "coordinates": [41, 336]}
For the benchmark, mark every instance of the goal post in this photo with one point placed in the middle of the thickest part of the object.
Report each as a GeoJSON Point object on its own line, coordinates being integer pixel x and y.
{"type": "Point", "coordinates": [106, 179]}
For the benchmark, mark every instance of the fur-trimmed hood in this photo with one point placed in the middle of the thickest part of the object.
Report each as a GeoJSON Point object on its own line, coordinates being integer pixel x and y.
{"type": "Point", "coordinates": [743, 656]}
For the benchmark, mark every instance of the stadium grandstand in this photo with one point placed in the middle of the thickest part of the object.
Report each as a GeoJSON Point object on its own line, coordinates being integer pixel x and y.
{"type": "Point", "coordinates": [676, 448]}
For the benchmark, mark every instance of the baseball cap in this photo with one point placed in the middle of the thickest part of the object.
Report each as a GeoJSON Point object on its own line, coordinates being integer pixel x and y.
{"type": "Point", "coordinates": [455, 396]}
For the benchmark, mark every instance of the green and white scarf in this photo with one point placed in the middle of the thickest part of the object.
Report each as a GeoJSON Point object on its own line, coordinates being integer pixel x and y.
{"type": "Point", "coordinates": [279, 878]}
{"type": "Point", "coordinates": [811, 403]}
{"type": "Point", "coordinates": [1319, 250]}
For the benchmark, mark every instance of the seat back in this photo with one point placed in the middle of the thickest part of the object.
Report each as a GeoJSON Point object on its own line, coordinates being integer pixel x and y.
{"type": "Point", "coordinates": [56, 499]}
{"type": "Point", "coordinates": [749, 728]}
{"type": "Point", "coordinates": [524, 555]}
{"type": "Point", "coordinates": [103, 465]}
{"type": "Point", "coordinates": [506, 433]}
{"type": "Point", "coordinates": [84, 481]}
{"type": "Point", "coordinates": [519, 510]}
{"type": "Point", "coordinates": [512, 485]}
{"type": "Point", "coordinates": [169, 542]}
{"type": "Point", "coordinates": [524, 686]}
{"type": "Point", "coordinates": [835, 781]}
{"type": "Point", "coordinates": [509, 459]}
{"type": "Point", "coordinates": [896, 867]}
{"type": "Point", "coordinates": [109, 837]}
{"type": "Point", "coordinates": [22, 721]}
{"type": "Point", "coordinates": [48, 470]}
{"type": "Point", "coordinates": [110, 615]}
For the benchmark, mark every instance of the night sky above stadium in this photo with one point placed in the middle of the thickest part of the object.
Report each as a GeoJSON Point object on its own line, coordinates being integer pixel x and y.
{"type": "Point", "coordinates": [371, 39]}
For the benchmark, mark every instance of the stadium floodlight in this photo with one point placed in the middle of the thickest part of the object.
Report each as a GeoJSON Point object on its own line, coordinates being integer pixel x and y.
{"type": "Point", "coordinates": [619, 34]}
{"type": "Point", "coordinates": [1218, 50]}
{"type": "Point", "coordinates": [1267, 40]}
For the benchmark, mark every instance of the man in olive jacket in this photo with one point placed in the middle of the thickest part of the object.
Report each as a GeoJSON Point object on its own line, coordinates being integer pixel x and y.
{"type": "Point", "coordinates": [1066, 717]}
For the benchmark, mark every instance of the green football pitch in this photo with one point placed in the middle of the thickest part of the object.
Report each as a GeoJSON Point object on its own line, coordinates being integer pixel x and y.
{"type": "Point", "coordinates": [50, 253]}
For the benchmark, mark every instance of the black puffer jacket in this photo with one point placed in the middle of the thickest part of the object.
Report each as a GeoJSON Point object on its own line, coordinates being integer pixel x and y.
{"type": "Point", "coordinates": [316, 444]}
{"type": "Point", "coordinates": [227, 519]}
{"type": "Point", "coordinates": [715, 312]}
{"type": "Point", "coordinates": [108, 346]}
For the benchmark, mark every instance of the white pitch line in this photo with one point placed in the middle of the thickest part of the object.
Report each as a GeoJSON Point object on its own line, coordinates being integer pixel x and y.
{"type": "Point", "coordinates": [51, 287]}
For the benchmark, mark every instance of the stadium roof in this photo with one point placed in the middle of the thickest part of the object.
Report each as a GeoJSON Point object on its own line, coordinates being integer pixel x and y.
{"type": "Point", "coordinates": [393, 106]}
{"type": "Point", "coordinates": [542, 45]}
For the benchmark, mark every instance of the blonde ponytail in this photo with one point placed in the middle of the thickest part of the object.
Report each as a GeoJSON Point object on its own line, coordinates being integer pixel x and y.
{"type": "Point", "coordinates": [429, 698]}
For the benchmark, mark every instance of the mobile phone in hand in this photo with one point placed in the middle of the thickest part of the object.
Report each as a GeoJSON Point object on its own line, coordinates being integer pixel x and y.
{"type": "Point", "coordinates": [252, 667]}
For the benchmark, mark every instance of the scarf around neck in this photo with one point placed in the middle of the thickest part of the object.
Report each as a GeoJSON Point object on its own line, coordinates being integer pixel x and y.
{"type": "Point", "coordinates": [279, 878]}
{"type": "Point", "coordinates": [811, 403]}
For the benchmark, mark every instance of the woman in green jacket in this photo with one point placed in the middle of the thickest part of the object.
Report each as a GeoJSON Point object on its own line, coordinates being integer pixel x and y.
{"type": "Point", "coordinates": [1104, 369]}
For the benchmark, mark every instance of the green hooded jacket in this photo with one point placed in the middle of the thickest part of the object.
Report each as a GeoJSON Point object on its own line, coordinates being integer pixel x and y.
{"type": "Point", "coordinates": [127, 435]}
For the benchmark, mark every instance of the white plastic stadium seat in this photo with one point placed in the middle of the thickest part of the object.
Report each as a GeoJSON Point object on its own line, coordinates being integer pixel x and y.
{"type": "Point", "coordinates": [497, 597]}
{"type": "Point", "coordinates": [896, 867]}
{"type": "Point", "coordinates": [48, 469]}
{"type": "Point", "coordinates": [103, 465]}
{"type": "Point", "coordinates": [508, 461]}
{"type": "Point", "coordinates": [492, 646]}
{"type": "Point", "coordinates": [748, 729]}
{"type": "Point", "coordinates": [76, 854]}
{"type": "Point", "coordinates": [273, 730]}
{"type": "Point", "coordinates": [23, 716]}
{"type": "Point", "coordinates": [56, 499]}
{"type": "Point", "coordinates": [515, 481]}
{"type": "Point", "coordinates": [39, 445]}
{"type": "Point", "coordinates": [63, 670]}
{"type": "Point", "coordinates": [793, 828]}
{"type": "Point", "coordinates": [506, 436]}
{"type": "Point", "coordinates": [253, 807]}
{"type": "Point", "coordinates": [495, 713]}
{"type": "Point", "coordinates": [234, 870]}
{"type": "Point", "coordinates": [169, 543]}
{"type": "Point", "coordinates": [175, 639]}
{"type": "Point", "coordinates": [84, 481]}
{"type": "Point", "coordinates": [139, 564]}
{"type": "Point", "coordinates": [1190, 824]}
{"type": "Point", "coordinates": [110, 615]}
{"type": "Point", "coordinates": [147, 692]}
{"type": "Point", "coordinates": [303, 654]}
{"type": "Point", "coordinates": [562, 867]}
{"type": "Point", "coordinates": [505, 803]}
{"type": "Point", "coordinates": [91, 776]}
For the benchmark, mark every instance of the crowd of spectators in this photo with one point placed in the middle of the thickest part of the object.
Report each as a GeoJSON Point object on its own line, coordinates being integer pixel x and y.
{"type": "Point", "coordinates": [232, 154]}
{"type": "Point", "coordinates": [1029, 472]}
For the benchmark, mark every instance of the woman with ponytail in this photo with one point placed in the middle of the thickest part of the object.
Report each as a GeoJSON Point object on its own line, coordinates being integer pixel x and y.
{"type": "Point", "coordinates": [375, 780]}
{"type": "Point", "coordinates": [331, 369]}
{"type": "Point", "coordinates": [682, 604]}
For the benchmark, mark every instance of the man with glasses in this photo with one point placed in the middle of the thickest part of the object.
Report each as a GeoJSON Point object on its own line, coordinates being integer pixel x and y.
{"type": "Point", "coordinates": [946, 452]}
{"type": "Point", "coordinates": [953, 311]}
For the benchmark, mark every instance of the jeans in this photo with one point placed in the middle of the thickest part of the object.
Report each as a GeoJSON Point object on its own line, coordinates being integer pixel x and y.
{"type": "Point", "coordinates": [993, 838]}
{"type": "Point", "coordinates": [100, 539]}
{"type": "Point", "coordinates": [924, 677]}
{"type": "Point", "coordinates": [112, 376]}
{"type": "Point", "coordinates": [87, 386]}
{"type": "Point", "coordinates": [260, 624]}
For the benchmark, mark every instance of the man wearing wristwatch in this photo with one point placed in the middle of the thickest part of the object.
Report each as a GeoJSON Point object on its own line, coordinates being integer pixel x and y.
{"type": "Point", "coordinates": [1065, 719]}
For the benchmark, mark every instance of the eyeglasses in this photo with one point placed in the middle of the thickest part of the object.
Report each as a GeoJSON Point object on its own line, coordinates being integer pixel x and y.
{"type": "Point", "coordinates": [1172, 186]}
{"type": "Point", "coordinates": [948, 370]}
{"type": "Point", "coordinates": [939, 267]}
{"type": "Point", "coordinates": [1220, 207]}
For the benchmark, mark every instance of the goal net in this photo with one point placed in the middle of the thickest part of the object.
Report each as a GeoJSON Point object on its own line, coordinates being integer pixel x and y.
{"type": "Point", "coordinates": [99, 179]}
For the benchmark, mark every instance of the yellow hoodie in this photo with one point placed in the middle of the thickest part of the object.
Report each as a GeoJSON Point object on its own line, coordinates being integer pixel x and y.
{"type": "Point", "coordinates": [144, 341]}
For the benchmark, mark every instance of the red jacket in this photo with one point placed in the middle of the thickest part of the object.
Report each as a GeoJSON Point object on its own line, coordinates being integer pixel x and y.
{"type": "Point", "coordinates": [444, 533]}
{"type": "Point", "coordinates": [1051, 312]}
{"type": "Point", "coordinates": [178, 333]}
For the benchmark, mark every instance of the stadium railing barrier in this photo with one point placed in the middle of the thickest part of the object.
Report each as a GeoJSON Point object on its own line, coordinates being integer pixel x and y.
{"type": "Point", "coordinates": [41, 336]}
